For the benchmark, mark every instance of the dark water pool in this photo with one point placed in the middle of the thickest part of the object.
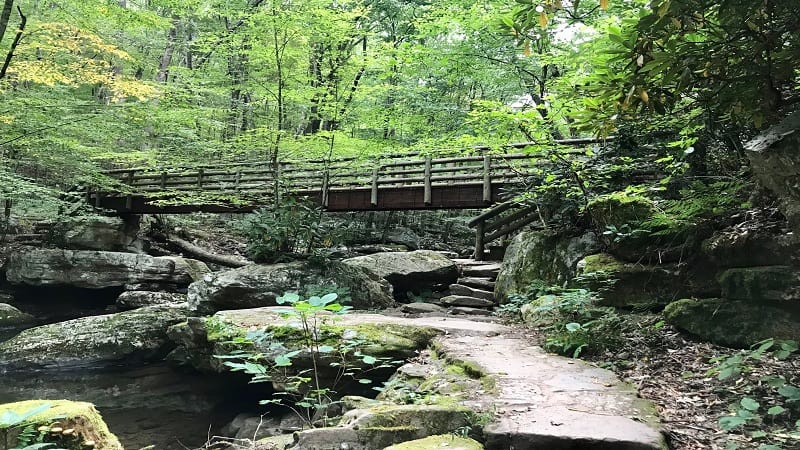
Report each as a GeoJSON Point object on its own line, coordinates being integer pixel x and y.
{"type": "Point", "coordinates": [152, 405]}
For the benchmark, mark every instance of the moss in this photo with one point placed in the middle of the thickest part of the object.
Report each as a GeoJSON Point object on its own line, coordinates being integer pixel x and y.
{"type": "Point", "coordinates": [81, 416]}
{"type": "Point", "coordinates": [449, 441]}
{"type": "Point", "coordinates": [759, 283]}
{"type": "Point", "coordinates": [733, 323]}
{"type": "Point", "coordinates": [603, 263]}
{"type": "Point", "coordinates": [620, 208]}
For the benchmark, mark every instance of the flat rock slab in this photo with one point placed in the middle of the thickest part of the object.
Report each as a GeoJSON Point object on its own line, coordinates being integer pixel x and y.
{"type": "Point", "coordinates": [549, 402]}
{"type": "Point", "coordinates": [460, 289]}
{"type": "Point", "coordinates": [483, 271]}
{"type": "Point", "coordinates": [479, 283]}
{"type": "Point", "coordinates": [461, 300]}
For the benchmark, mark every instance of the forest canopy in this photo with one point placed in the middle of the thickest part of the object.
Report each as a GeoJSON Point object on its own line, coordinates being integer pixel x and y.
{"type": "Point", "coordinates": [92, 84]}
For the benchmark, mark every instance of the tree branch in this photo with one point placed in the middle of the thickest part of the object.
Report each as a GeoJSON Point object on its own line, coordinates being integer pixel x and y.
{"type": "Point", "coordinates": [22, 21]}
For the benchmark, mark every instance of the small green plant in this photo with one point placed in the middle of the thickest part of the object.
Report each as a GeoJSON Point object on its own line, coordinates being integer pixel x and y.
{"type": "Point", "coordinates": [769, 412]}
{"type": "Point", "coordinates": [27, 437]}
{"type": "Point", "coordinates": [305, 391]}
{"type": "Point", "coordinates": [289, 229]}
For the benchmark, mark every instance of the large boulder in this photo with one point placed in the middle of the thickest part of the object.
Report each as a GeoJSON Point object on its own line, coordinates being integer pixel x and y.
{"type": "Point", "coordinates": [95, 270]}
{"type": "Point", "coordinates": [764, 283]}
{"type": "Point", "coordinates": [544, 256]}
{"type": "Point", "coordinates": [775, 160]}
{"type": "Point", "coordinates": [733, 323]}
{"type": "Point", "coordinates": [88, 428]}
{"type": "Point", "coordinates": [12, 317]}
{"type": "Point", "coordinates": [138, 299]}
{"type": "Point", "coordinates": [259, 285]}
{"type": "Point", "coordinates": [448, 441]}
{"type": "Point", "coordinates": [733, 248]}
{"type": "Point", "coordinates": [96, 340]}
{"type": "Point", "coordinates": [624, 284]}
{"type": "Point", "coordinates": [415, 271]}
{"type": "Point", "coordinates": [202, 340]}
{"type": "Point", "coordinates": [102, 233]}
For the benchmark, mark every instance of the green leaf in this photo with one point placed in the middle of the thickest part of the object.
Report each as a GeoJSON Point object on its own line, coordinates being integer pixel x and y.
{"type": "Point", "coordinates": [775, 410]}
{"type": "Point", "coordinates": [369, 359]}
{"type": "Point", "coordinates": [749, 404]}
{"type": "Point", "coordinates": [758, 434]}
{"type": "Point", "coordinates": [731, 422]}
{"type": "Point", "coordinates": [573, 327]}
{"type": "Point", "coordinates": [790, 392]}
{"type": "Point", "coordinates": [326, 349]}
{"type": "Point", "coordinates": [283, 361]}
{"type": "Point", "coordinates": [328, 298]}
{"type": "Point", "coordinates": [364, 381]}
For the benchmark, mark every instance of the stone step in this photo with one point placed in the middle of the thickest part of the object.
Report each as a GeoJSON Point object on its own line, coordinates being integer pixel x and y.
{"type": "Point", "coordinates": [468, 311]}
{"type": "Point", "coordinates": [482, 271]}
{"type": "Point", "coordinates": [422, 308]}
{"type": "Point", "coordinates": [485, 284]}
{"type": "Point", "coordinates": [461, 300]}
{"type": "Point", "coordinates": [460, 289]}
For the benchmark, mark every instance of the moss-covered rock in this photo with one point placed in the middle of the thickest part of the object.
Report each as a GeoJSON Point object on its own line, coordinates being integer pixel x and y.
{"type": "Point", "coordinates": [201, 339]}
{"type": "Point", "coordinates": [140, 334]}
{"type": "Point", "coordinates": [259, 285]}
{"type": "Point", "coordinates": [623, 284]}
{"type": "Point", "coordinates": [12, 317]}
{"type": "Point", "coordinates": [87, 424]}
{"type": "Point", "coordinates": [770, 283]}
{"type": "Point", "coordinates": [734, 248]}
{"type": "Point", "coordinates": [448, 441]}
{"type": "Point", "coordinates": [542, 311]}
{"type": "Point", "coordinates": [620, 208]}
{"type": "Point", "coordinates": [541, 256]}
{"type": "Point", "coordinates": [733, 323]}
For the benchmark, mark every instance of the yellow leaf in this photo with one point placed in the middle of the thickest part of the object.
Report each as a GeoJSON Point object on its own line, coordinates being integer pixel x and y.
{"type": "Point", "coordinates": [644, 96]}
{"type": "Point", "coordinates": [527, 50]}
{"type": "Point", "coordinates": [557, 4]}
{"type": "Point", "coordinates": [543, 19]}
{"type": "Point", "coordinates": [603, 4]}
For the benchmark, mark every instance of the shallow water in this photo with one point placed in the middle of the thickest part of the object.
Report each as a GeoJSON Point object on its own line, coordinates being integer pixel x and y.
{"type": "Point", "coordinates": [151, 405]}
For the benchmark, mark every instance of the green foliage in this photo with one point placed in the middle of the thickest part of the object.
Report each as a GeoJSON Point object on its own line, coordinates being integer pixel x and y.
{"type": "Point", "coordinates": [770, 407]}
{"type": "Point", "coordinates": [699, 202]}
{"type": "Point", "coordinates": [287, 230]}
{"type": "Point", "coordinates": [306, 391]}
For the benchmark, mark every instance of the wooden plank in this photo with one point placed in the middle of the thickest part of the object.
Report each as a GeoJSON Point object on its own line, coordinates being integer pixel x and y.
{"type": "Point", "coordinates": [487, 178]}
{"type": "Point", "coordinates": [374, 192]}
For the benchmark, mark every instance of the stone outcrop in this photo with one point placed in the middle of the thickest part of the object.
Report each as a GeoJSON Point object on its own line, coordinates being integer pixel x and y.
{"type": "Point", "coordinates": [410, 271]}
{"type": "Point", "coordinates": [138, 299]}
{"type": "Point", "coordinates": [12, 317]}
{"type": "Point", "coordinates": [775, 160]}
{"type": "Point", "coordinates": [95, 269]}
{"type": "Point", "coordinates": [81, 417]}
{"type": "Point", "coordinates": [733, 323]}
{"type": "Point", "coordinates": [102, 233]}
{"type": "Point", "coordinates": [543, 256]}
{"type": "Point", "coordinates": [96, 340]}
{"type": "Point", "coordinates": [259, 285]}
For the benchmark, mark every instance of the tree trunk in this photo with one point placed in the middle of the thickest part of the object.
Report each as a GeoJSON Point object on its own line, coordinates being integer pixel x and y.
{"type": "Point", "coordinates": [169, 50]}
{"type": "Point", "coordinates": [5, 16]}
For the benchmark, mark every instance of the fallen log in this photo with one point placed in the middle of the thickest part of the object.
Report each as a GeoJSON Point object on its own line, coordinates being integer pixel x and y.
{"type": "Point", "coordinates": [204, 255]}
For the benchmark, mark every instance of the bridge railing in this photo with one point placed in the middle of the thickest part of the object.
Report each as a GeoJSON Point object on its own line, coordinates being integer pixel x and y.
{"type": "Point", "coordinates": [319, 176]}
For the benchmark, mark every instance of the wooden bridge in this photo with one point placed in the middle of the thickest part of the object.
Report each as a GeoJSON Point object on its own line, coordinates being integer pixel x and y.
{"type": "Point", "coordinates": [399, 182]}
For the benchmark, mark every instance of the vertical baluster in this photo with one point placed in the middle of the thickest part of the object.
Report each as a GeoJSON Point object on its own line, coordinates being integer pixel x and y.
{"type": "Point", "coordinates": [373, 199]}
{"type": "Point", "coordinates": [487, 179]}
{"type": "Point", "coordinates": [428, 185]}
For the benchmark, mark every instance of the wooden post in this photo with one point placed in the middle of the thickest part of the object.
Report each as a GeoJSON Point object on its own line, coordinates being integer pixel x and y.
{"type": "Point", "coordinates": [325, 181]}
{"type": "Point", "coordinates": [487, 179]}
{"type": "Point", "coordinates": [428, 185]}
{"type": "Point", "coordinates": [199, 178]}
{"type": "Point", "coordinates": [129, 197]}
{"type": "Point", "coordinates": [373, 198]}
{"type": "Point", "coordinates": [163, 180]}
{"type": "Point", "coordinates": [238, 179]}
{"type": "Point", "coordinates": [97, 196]}
{"type": "Point", "coordinates": [479, 242]}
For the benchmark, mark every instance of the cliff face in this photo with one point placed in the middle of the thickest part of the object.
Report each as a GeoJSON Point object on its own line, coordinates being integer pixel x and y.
{"type": "Point", "coordinates": [775, 158]}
